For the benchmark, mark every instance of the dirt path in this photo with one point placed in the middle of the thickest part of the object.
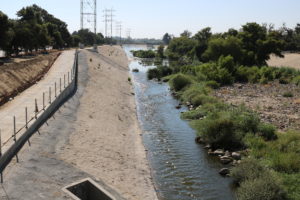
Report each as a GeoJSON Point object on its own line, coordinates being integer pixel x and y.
{"type": "Point", "coordinates": [16, 107]}
{"type": "Point", "coordinates": [95, 134]}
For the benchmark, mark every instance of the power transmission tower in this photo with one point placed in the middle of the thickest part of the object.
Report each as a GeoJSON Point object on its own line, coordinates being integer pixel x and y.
{"type": "Point", "coordinates": [128, 32]}
{"type": "Point", "coordinates": [88, 13]}
{"type": "Point", "coordinates": [119, 31]}
{"type": "Point", "coordinates": [111, 22]}
{"type": "Point", "coordinates": [106, 20]}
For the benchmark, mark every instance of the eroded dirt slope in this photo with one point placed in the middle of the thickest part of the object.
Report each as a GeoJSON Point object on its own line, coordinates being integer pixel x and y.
{"type": "Point", "coordinates": [18, 76]}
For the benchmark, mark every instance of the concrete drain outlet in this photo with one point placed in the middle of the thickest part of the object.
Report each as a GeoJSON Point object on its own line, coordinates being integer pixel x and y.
{"type": "Point", "coordinates": [87, 189]}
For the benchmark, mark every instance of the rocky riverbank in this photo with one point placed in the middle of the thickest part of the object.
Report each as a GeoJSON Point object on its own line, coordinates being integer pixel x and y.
{"type": "Point", "coordinates": [275, 103]}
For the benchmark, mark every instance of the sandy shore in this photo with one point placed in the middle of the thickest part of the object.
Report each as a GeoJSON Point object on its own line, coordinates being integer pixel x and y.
{"type": "Point", "coordinates": [95, 134]}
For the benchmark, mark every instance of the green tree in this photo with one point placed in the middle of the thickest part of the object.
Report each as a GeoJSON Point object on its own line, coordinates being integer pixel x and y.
{"type": "Point", "coordinates": [258, 45]}
{"type": "Point", "coordinates": [4, 30]}
{"type": "Point", "coordinates": [182, 49]}
{"type": "Point", "coordinates": [202, 38]}
{"type": "Point", "coordinates": [166, 39]}
{"type": "Point", "coordinates": [160, 51]}
{"type": "Point", "coordinates": [186, 33]}
{"type": "Point", "coordinates": [218, 47]}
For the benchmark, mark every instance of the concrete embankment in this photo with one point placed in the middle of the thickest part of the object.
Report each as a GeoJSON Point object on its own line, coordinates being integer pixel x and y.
{"type": "Point", "coordinates": [95, 134]}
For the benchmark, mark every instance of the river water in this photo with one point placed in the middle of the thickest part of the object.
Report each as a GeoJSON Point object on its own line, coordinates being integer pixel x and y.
{"type": "Point", "coordinates": [181, 168]}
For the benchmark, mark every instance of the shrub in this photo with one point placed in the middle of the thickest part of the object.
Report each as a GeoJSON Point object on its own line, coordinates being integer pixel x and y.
{"type": "Point", "coordinates": [224, 77]}
{"type": "Point", "coordinates": [143, 53]}
{"type": "Point", "coordinates": [249, 169]}
{"type": "Point", "coordinates": [202, 99]}
{"type": "Point", "coordinates": [288, 94]}
{"type": "Point", "coordinates": [194, 90]}
{"type": "Point", "coordinates": [267, 131]}
{"type": "Point", "coordinates": [291, 183]}
{"type": "Point", "coordinates": [180, 81]}
{"type": "Point", "coordinates": [248, 74]}
{"type": "Point", "coordinates": [287, 162]}
{"type": "Point", "coordinates": [266, 73]}
{"type": "Point", "coordinates": [227, 63]}
{"type": "Point", "coordinates": [246, 121]}
{"type": "Point", "coordinates": [284, 80]}
{"type": "Point", "coordinates": [152, 73]}
{"type": "Point", "coordinates": [193, 114]}
{"type": "Point", "coordinates": [158, 72]}
{"type": "Point", "coordinates": [263, 188]}
{"type": "Point", "coordinates": [212, 84]}
{"type": "Point", "coordinates": [296, 80]}
{"type": "Point", "coordinates": [253, 74]}
{"type": "Point", "coordinates": [210, 71]}
{"type": "Point", "coordinates": [218, 130]}
{"type": "Point", "coordinates": [241, 74]}
{"type": "Point", "coordinates": [135, 70]}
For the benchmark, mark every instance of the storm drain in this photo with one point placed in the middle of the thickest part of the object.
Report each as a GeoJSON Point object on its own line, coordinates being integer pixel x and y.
{"type": "Point", "coordinates": [87, 189]}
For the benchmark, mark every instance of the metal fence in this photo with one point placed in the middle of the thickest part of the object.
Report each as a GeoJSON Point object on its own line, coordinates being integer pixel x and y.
{"type": "Point", "coordinates": [51, 101]}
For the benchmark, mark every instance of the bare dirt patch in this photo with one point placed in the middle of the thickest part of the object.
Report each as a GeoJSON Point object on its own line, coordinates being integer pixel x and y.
{"type": "Point", "coordinates": [17, 76]}
{"type": "Point", "coordinates": [268, 101]}
{"type": "Point", "coordinates": [289, 60]}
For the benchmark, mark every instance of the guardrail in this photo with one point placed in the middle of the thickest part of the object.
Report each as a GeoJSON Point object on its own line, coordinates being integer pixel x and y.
{"type": "Point", "coordinates": [32, 125]}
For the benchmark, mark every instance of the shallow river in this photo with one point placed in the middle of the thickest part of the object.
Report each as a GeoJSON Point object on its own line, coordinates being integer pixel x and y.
{"type": "Point", "coordinates": [181, 168]}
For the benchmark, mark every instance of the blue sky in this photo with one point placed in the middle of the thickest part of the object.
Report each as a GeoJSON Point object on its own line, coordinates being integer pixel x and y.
{"type": "Point", "coordinates": [153, 18]}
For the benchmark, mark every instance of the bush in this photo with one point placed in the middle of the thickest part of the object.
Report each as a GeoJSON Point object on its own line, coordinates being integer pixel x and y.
{"type": "Point", "coordinates": [296, 80]}
{"type": "Point", "coordinates": [246, 121]}
{"type": "Point", "coordinates": [241, 74]}
{"type": "Point", "coordinates": [158, 72]}
{"type": "Point", "coordinates": [194, 90]}
{"type": "Point", "coordinates": [212, 72]}
{"type": "Point", "coordinates": [287, 162]}
{"type": "Point", "coordinates": [202, 99]}
{"type": "Point", "coordinates": [249, 169]}
{"type": "Point", "coordinates": [224, 77]}
{"type": "Point", "coordinates": [267, 131]}
{"type": "Point", "coordinates": [248, 74]}
{"type": "Point", "coordinates": [219, 130]}
{"type": "Point", "coordinates": [284, 80]}
{"type": "Point", "coordinates": [292, 185]}
{"type": "Point", "coordinates": [253, 75]}
{"type": "Point", "coordinates": [212, 84]}
{"type": "Point", "coordinates": [288, 94]}
{"type": "Point", "coordinates": [227, 63]}
{"type": "Point", "coordinates": [267, 74]}
{"type": "Point", "coordinates": [193, 114]}
{"type": "Point", "coordinates": [143, 53]}
{"type": "Point", "coordinates": [180, 81]}
{"type": "Point", "coordinates": [263, 188]}
{"type": "Point", "coordinates": [153, 73]}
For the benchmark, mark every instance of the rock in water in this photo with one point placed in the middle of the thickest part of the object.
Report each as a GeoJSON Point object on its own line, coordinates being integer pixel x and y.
{"type": "Point", "coordinates": [224, 171]}
{"type": "Point", "coordinates": [236, 156]}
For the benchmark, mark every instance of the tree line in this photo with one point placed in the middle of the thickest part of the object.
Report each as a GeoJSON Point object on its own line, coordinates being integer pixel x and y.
{"type": "Point", "coordinates": [36, 29]}
{"type": "Point", "coordinates": [251, 45]}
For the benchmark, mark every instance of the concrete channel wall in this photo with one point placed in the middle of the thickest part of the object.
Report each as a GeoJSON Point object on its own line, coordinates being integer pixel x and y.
{"type": "Point", "coordinates": [42, 118]}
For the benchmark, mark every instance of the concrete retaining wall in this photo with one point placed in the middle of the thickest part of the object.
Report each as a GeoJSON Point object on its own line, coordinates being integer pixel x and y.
{"type": "Point", "coordinates": [50, 110]}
